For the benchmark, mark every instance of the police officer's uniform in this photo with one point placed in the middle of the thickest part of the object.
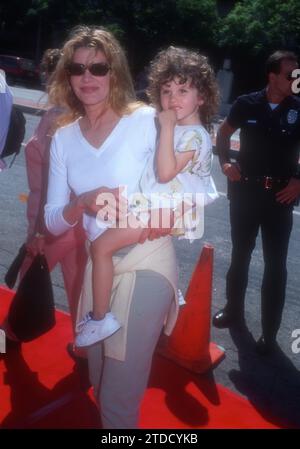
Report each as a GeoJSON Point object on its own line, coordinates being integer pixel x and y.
{"type": "Point", "coordinates": [268, 158]}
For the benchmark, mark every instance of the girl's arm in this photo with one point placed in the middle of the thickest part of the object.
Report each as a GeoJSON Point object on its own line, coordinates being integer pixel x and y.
{"type": "Point", "coordinates": [169, 163]}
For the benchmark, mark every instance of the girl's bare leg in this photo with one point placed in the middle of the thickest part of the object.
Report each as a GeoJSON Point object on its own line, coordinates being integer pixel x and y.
{"type": "Point", "coordinates": [102, 250]}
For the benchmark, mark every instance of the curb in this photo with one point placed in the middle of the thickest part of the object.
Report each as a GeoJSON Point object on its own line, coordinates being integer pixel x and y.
{"type": "Point", "coordinates": [28, 106]}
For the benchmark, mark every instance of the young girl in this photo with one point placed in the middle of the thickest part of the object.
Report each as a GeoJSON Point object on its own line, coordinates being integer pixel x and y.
{"type": "Point", "coordinates": [182, 86]}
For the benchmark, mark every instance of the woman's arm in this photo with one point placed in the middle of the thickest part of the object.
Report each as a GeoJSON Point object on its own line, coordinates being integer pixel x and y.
{"type": "Point", "coordinates": [58, 194]}
{"type": "Point", "coordinates": [169, 163]}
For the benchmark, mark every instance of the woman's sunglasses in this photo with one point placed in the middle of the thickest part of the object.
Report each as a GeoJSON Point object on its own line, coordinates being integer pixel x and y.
{"type": "Point", "coordinates": [95, 69]}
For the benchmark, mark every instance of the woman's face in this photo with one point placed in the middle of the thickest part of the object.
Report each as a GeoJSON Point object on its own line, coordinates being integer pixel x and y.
{"type": "Point", "coordinates": [90, 89]}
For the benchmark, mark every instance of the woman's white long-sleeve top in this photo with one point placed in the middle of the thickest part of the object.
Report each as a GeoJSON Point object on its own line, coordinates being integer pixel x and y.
{"type": "Point", "coordinates": [76, 166]}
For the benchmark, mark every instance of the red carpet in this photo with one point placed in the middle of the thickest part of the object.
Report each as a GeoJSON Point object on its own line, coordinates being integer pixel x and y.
{"type": "Point", "coordinates": [39, 388]}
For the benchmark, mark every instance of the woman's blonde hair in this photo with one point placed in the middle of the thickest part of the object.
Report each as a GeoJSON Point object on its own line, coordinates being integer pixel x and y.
{"type": "Point", "coordinates": [186, 65]}
{"type": "Point", "coordinates": [121, 95]}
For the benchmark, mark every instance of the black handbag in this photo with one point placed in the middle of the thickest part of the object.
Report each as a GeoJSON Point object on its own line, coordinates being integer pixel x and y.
{"type": "Point", "coordinates": [12, 273]}
{"type": "Point", "coordinates": [32, 310]}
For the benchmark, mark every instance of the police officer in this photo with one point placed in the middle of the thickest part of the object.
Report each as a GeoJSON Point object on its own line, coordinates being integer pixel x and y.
{"type": "Point", "coordinates": [262, 189]}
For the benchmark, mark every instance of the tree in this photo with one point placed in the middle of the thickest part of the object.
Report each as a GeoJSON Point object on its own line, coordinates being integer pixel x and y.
{"type": "Point", "coordinates": [251, 32]}
{"type": "Point", "coordinates": [261, 26]}
{"type": "Point", "coordinates": [38, 9]}
{"type": "Point", "coordinates": [143, 26]}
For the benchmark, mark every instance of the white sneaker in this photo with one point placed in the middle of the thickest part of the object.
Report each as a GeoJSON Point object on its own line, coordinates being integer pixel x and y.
{"type": "Point", "coordinates": [91, 331]}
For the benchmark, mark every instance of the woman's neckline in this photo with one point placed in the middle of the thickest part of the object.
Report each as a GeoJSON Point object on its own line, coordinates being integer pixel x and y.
{"type": "Point", "coordinates": [99, 150]}
{"type": "Point", "coordinates": [102, 143]}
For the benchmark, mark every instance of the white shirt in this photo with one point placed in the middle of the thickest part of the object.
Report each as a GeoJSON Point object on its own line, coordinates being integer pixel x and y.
{"type": "Point", "coordinates": [195, 176]}
{"type": "Point", "coordinates": [193, 185]}
{"type": "Point", "coordinates": [6, 101]}
{"type": "Point", "coordinates": [75, 165]}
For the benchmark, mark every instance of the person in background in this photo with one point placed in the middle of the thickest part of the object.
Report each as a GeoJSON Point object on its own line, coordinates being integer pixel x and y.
{"type": "Point", "coordinates": [6, 101]}
{"type": "Point", "coordinates": [67, 250]}
{"type": "Point", "coordinates": [48, 64]}
{"type": "Point", "coordinates": [263, 186]}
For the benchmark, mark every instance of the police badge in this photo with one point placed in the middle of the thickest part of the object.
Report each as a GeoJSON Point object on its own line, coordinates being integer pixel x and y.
{"type": "Point", "coordinates": [292, 116]}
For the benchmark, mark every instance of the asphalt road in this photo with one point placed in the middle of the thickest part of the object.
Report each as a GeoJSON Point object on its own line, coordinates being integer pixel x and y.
{"type": "Point", "coordinates": [271, 383]}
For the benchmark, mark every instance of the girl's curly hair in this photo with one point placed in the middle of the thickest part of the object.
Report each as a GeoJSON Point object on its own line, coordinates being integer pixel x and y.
{"type": "Point", "coordinates": [186, 65]}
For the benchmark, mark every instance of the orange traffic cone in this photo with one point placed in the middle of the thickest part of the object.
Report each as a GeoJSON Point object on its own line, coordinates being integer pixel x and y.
{"type": "Point", "coordinates": [189, 344]}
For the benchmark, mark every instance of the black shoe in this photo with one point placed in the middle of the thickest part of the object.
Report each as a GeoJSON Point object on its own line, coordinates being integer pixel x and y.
{"type": "Point", "coordinates": [264, 347]}
{"type": "Point", "coordinates": [81, 366]}
{"type": "Point", "coordinates": [224, 319]}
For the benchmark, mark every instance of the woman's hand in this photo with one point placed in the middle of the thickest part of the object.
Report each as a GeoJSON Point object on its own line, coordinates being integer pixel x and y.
{"type": "Point", "coordinates": [161, 222]}
{"type": "Point", "coordinates": [108, 204]}
{"type": "Point", "coordinates": [36, 245]}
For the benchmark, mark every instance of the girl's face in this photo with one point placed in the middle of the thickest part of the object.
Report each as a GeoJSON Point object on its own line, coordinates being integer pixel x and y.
{"type": "Point", "coordinates": [90, 89]}
{"type": "Point", "coordinates": [183, 99]}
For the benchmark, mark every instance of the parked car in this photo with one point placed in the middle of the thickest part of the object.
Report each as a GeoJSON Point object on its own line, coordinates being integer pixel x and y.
{"type": "Point", "coordinates": [20, 69]}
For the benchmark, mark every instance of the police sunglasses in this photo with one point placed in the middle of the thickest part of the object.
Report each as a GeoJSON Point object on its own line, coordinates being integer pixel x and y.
{"type": "Point", "coordinates": [95, 69]}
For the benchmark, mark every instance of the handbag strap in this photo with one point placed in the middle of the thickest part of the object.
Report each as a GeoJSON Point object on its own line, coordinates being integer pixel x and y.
{"type": "Point", "coordinates": [12, 273]}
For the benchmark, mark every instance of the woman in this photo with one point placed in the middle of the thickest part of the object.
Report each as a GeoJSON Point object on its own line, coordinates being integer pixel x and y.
{"type": "Point", "coordinates": [104, 145]}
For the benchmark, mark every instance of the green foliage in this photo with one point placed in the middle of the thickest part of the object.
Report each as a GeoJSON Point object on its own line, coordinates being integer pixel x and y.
{"type": "Point", "coordinates": [144, 25]}
{"type": "Point", "coordinates": [259, 26]}
{"type": "Point", "coordinates": [252, 27]}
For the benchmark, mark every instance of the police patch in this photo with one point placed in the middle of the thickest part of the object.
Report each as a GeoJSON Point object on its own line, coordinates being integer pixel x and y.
{"type": "Point", "coordinates": [292, 116]}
